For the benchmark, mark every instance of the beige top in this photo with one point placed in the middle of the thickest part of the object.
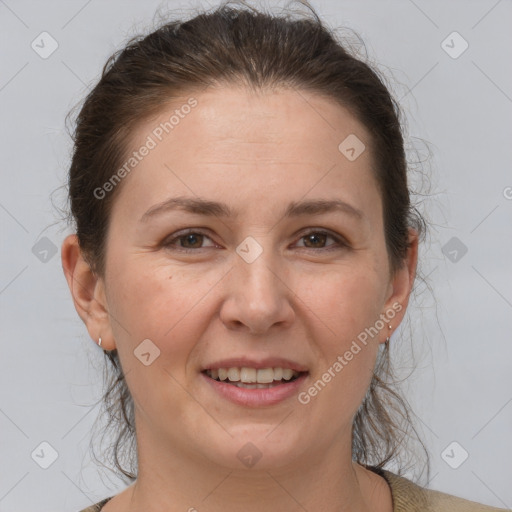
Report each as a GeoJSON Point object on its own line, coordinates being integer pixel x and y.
{"type": "Point", "coordinates": [407, 497]}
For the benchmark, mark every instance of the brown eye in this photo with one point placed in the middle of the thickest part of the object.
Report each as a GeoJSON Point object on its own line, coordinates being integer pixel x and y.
{"type": "Point", "coordinates": [318, 240]}
{"type": "Point", "coordinates": [194, 239]}
{"type": "Point", "coordinates": [188, 242]}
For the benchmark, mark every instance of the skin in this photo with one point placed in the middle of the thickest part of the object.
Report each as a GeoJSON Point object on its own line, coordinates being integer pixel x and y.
{"type": "Point", "coordinates": [301, 300]}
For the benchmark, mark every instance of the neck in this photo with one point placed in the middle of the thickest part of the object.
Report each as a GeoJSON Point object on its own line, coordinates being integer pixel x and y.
{"type": "Point", "coordinates": [180, 479]}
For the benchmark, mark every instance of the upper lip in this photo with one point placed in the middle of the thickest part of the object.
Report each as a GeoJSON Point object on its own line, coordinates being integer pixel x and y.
{"type": "Point", "coordinates": [246, 362]}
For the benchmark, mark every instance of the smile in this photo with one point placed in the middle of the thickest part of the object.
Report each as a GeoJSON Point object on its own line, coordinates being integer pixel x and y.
{"type": "Point", "coordinates": [252, 378]}
{"type": "Point", "coordinates": [251, 387]}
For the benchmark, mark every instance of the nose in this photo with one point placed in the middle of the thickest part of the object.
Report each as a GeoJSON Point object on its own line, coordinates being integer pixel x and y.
{"type": "Point", "coordinates": [258, 297]}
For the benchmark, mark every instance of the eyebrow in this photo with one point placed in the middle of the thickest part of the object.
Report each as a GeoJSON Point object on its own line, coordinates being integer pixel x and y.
{"type": "Point", "coordinates": [218, 209]}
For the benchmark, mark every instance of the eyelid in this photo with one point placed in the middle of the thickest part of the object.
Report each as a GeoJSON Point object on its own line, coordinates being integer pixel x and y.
{"type": "Point", "coordinates": [167, 241]}
{"type": "Point", "coordinates": [341, 242]}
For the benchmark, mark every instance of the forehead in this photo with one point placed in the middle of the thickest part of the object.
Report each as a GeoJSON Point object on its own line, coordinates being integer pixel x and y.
{"type": "Point", "coordinates": [245, 144]}
{"type": "Point", "coordinates": [270, 117]}
{"type": "Point", "coordinates": [266, 119]}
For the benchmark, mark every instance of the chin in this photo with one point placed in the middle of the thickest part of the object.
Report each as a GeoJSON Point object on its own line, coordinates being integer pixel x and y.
{"type": "Point", "coordinates": [256, 447]}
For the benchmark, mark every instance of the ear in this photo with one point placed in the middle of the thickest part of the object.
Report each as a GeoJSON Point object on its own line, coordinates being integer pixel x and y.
{"type": "Point", "coordinates": [88, 292]}
{"type": "Point", "coordinates": [400, 287]}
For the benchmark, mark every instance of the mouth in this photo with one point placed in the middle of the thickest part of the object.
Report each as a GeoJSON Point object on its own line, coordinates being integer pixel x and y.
{"type": "Point", "coordinates": [255, 383]}
{"type": "Point", "coordinates": [254, 378]}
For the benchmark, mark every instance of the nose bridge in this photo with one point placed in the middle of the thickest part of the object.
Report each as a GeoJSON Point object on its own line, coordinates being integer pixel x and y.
{"type": "Point", "coordinates": [258, 297]}
{"type": "Point", "coordinates": [255, 270]}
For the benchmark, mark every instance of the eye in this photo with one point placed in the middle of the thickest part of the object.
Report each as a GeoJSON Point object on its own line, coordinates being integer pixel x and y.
{"type": "Point", "coordinates": [316, 239]}
{"type": "Point", "coordinates": [187, 241]}
{"type": "Point", "coordinates": [192, 240]}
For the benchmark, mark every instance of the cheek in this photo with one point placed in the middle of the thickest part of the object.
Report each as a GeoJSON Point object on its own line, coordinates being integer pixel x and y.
{"type": "Point", "coordinates": [346, 300]}
{"type": "Point", "coordinates": [154, 301]}
{"type": "Point", "coordinates": [169, 307]}
{"type": "Point", "coordinates": [348, 305]}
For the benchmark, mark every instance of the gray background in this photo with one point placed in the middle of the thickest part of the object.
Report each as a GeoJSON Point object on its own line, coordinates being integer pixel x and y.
{"type": "Point", "coordinates": [462, 389]}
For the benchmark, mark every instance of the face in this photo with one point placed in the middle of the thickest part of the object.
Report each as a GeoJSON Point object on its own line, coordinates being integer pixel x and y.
{"type": "Point", "coordinates": [254, 279]}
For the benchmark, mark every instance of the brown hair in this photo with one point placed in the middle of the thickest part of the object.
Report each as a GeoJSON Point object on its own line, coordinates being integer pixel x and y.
{"type": "Point", "coordinates": [234, 45]}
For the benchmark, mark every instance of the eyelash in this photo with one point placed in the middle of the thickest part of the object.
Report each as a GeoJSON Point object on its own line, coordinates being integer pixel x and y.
{"type": "Point", "coordinates": [168, 243]}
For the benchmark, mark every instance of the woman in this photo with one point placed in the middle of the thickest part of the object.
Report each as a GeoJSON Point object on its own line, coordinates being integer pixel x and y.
{"type": "Point", "coordinates": [245, 246]}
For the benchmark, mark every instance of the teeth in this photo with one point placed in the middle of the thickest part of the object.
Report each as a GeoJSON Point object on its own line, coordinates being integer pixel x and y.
{"type": "Point", "coordinates": [234, 374]}
{"type": "Point", "coordinates": [287, 374]}
{"type": "Point", "coordinates": [248, 375]}
{"type": "Point", "coordinates": [263, 377]}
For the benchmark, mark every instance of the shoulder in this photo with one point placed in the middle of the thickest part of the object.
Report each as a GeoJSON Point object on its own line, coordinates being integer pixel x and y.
{"type": "Point", "coordinates": [410, 497]}
{"type": "Point", "coordinates": [97, 506]}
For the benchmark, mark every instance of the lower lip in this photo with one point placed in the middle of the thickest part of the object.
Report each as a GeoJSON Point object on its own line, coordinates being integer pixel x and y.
{"type": "Point", "coordinates": [256, 397]}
